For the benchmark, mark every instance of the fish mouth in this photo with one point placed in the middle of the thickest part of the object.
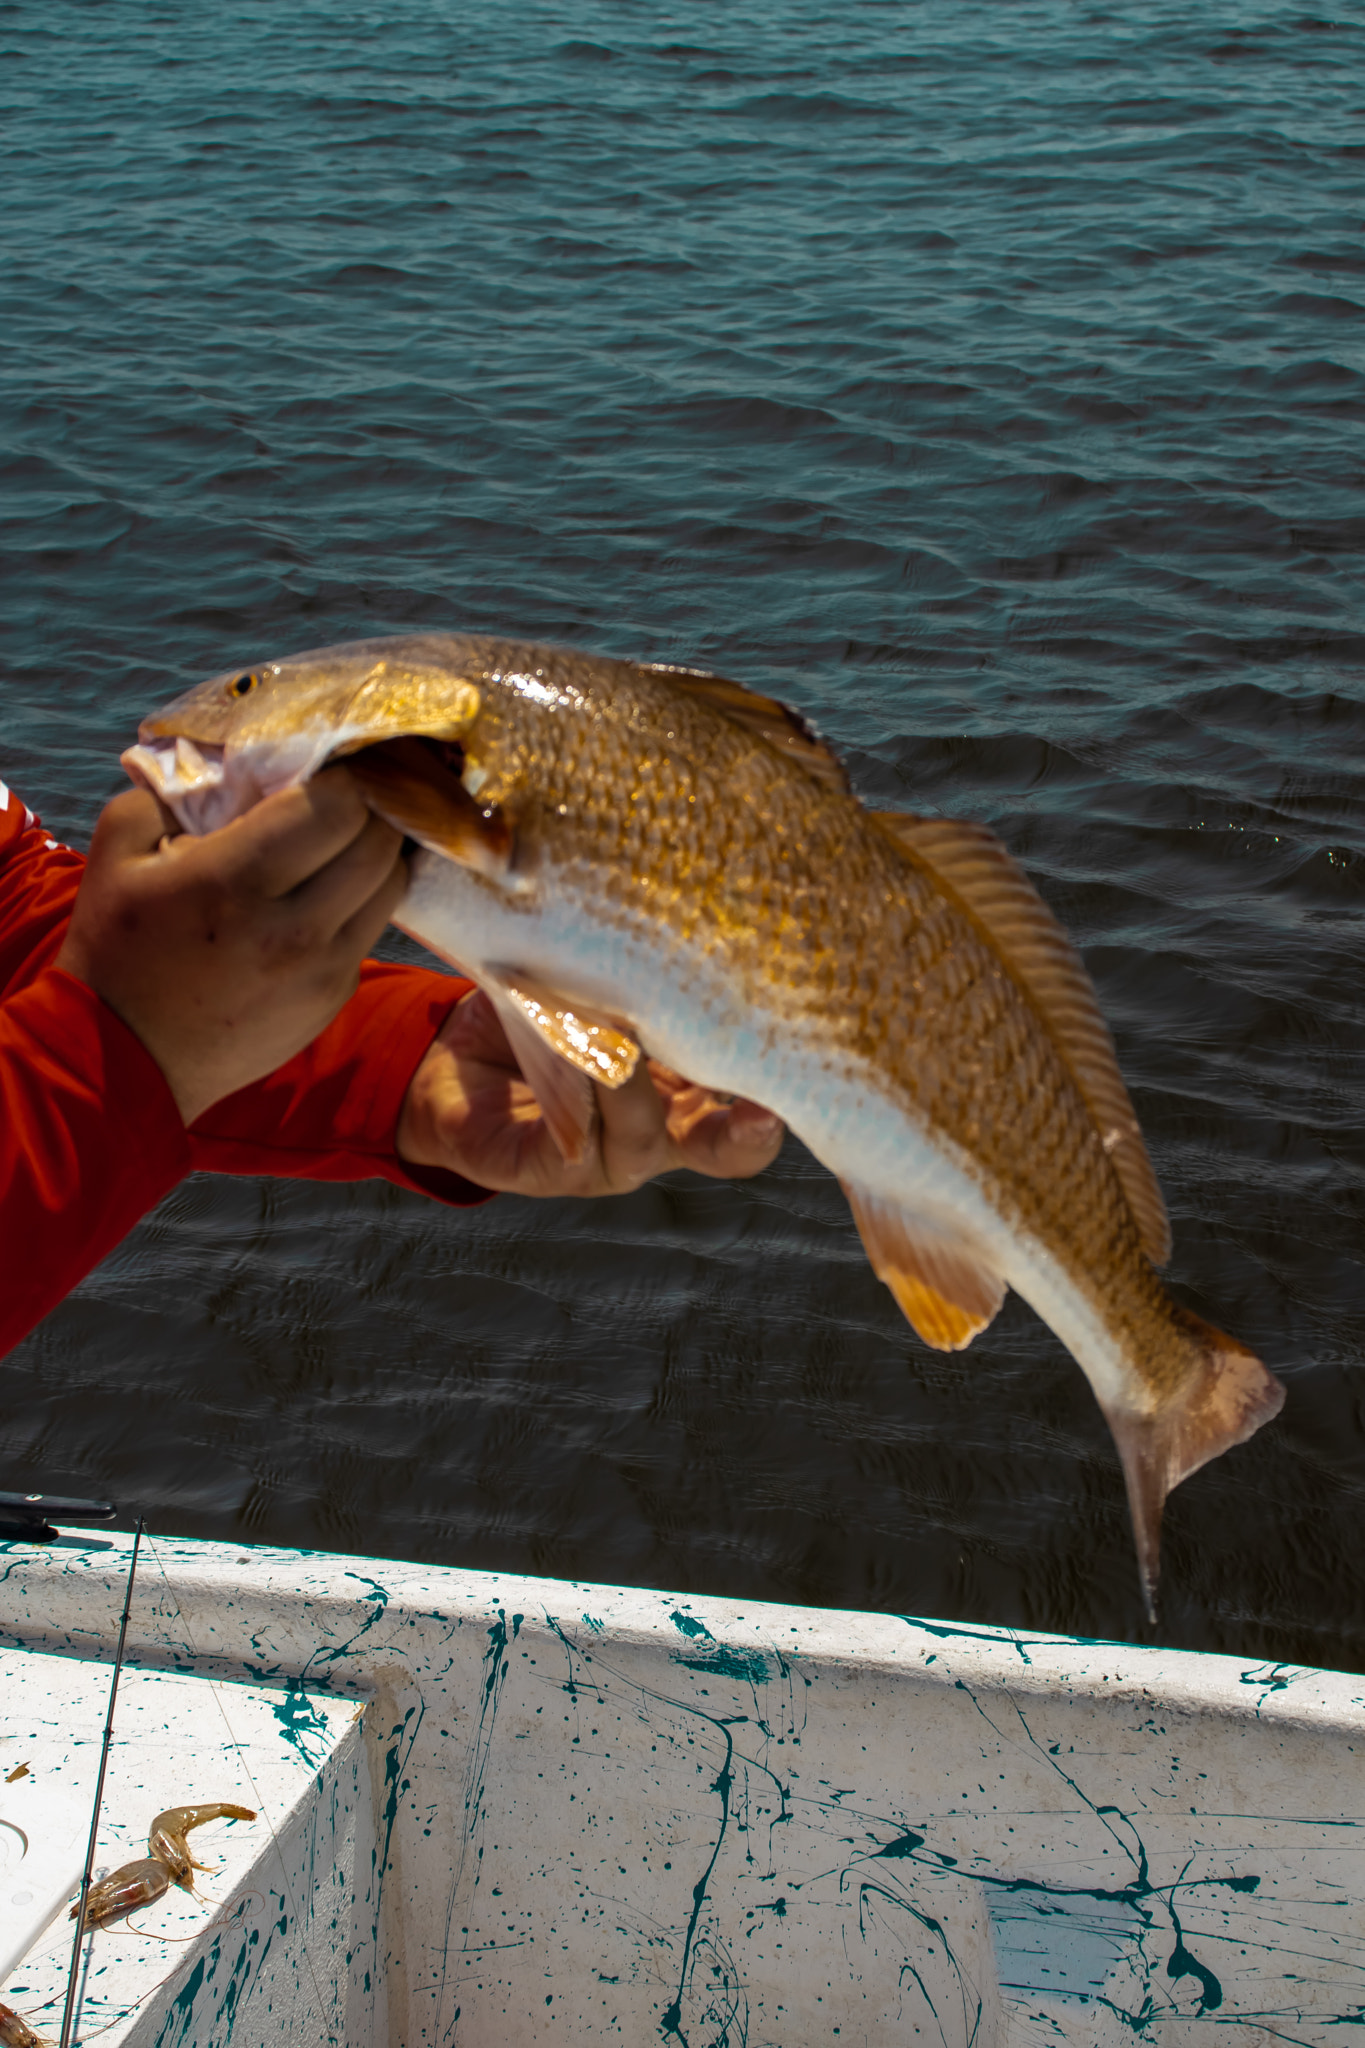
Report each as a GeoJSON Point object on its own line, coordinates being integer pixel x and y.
{"type": "Point", "coordinates": [195, 781]}
{"type": "Point", "coordinates": [420, 784]}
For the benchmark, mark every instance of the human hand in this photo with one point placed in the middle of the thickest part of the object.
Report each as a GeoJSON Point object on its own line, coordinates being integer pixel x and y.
{"type": "Point", "coordinates": [226, 955]}
{"type": "Point", "coordinates": [469, 1110]}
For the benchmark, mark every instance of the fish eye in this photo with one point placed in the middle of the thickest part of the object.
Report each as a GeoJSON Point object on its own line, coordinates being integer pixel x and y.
{"type": "Point", "coordinates": [242, 687]}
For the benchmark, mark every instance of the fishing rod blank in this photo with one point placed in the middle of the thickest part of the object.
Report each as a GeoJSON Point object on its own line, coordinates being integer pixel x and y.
{"type": "Point", "coordinates": [99, 1795]}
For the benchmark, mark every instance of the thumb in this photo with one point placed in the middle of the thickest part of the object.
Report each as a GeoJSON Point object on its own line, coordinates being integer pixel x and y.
{"type": "Point", "coordinates": [133, 825]}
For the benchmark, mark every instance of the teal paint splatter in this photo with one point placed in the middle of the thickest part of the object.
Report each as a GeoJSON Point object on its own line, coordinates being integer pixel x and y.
{"type": "Point", "coordinates": [181, 2013]}
{"type": "Point", "coordinates": [401, 1741]}
{"type": "Point", "coordinates": [904, 1845]}
{"type": "Point", "coordinates": [688, 1625]}
{"type": "Point", "coordinates": [724, 1784]}
{"type": "Point", "coordinates": [749, 1666]}
{"type": "Point", "coordinates": [301, 1725]}
{"type": "Point", "coordinates": [496, 1663]}
{"type": "Point", "coordinates": [1183, 1964]}
{"type": "Point", "coordinates": [978, 1635]}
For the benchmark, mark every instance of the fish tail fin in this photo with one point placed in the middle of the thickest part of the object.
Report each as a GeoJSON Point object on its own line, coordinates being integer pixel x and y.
{"type": "Point", "coordinates": [1226, 1396]}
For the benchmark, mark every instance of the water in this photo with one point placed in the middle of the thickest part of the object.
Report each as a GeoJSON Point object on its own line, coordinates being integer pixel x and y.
{"type": "Point", "coordinates": [986, 381]}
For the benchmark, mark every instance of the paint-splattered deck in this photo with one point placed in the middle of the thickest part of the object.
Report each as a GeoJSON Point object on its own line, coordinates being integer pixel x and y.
{"type": "Point", "coordinates": [601, 1814]}
{"type": "Point", "coordinates": [257, 1932]}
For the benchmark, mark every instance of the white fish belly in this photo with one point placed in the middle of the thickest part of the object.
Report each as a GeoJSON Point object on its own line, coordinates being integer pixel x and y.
{"type": "Point", "coordinates": [688, 1015]}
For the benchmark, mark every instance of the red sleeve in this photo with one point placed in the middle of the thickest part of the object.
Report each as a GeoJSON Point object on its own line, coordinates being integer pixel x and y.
{"type": "Point", "coordinates": [90, 1137]}
{"type": "Point", "coordinates": [90, 1140]}
{"type": "Point", "coordinates": [38, 883]}
{"type": "Point", "coordinates": [332, 1111]}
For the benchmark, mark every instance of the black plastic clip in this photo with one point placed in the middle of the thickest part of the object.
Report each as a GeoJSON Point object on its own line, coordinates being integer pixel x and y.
{"type": "Point", "coordinates": [30, 1517]}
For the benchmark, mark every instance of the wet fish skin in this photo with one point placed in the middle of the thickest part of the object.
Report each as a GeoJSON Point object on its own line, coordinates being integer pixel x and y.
{"type": "Point", "coordinates": [712, 887]}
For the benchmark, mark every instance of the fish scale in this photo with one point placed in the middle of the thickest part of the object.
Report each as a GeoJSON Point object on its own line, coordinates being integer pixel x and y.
{"type": "Point", "coordinates": [630, 857]}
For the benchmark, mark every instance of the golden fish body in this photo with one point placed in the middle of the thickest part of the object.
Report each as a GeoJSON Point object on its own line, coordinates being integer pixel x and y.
{"type": "Point", "coordinates": [627, 856]}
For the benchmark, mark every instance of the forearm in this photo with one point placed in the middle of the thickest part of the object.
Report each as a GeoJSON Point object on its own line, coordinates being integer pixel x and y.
{"type": "Point", "coordinates": [90, 1134]}
{"type": "Point", "coordinates": [332, 1112]}
{"type": "Point", "coordinates": [90, 1140]}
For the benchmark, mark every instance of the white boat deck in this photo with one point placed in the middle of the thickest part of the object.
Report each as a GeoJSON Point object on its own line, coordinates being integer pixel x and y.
{"type": "Point", "coordinates": [586, 1814]}
{"type": "Point", "coordinates": [270, 1892]}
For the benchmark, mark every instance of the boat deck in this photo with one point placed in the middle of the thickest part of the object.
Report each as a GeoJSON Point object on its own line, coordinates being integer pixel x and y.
{"type": "Point", "coordinates": [264, 1931]}
{"type": "Point", "coordinates": [583, 1813]}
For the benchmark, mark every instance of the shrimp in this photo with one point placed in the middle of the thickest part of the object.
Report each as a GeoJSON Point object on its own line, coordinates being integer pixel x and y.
{"type": "Point", "coordinates": [16, 2033]}
{"type": "Point", "coordinates": [123, 1891]}
{"type": "Point", "coordinates": [141, 1884]}
{"type": "Point", "coordinates": [166, 1839]}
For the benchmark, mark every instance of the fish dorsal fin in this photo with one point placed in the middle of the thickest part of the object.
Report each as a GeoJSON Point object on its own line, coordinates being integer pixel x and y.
{"type": "Point", "coordinates": [939, 1281]}
{"type": "Point", "coordinates": [772, 721]}
{"type": "Point", "coordinates": [972, 863]}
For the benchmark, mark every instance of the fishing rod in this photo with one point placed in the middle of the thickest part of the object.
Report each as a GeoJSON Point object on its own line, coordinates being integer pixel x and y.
{"type": "Point", "coordinates": [99, 1795]}
{"type": "Point", "coordinates": [32, 1517]}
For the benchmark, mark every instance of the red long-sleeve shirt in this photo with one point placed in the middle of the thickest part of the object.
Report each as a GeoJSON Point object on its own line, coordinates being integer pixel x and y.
{"type": "Point", "coordinates": [90, 1136]}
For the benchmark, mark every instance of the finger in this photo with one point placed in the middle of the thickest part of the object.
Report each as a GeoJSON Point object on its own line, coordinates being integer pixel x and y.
{"type": "Point", "coordinates": [332, 896]}
{"type": "Point", "coordinates": [363, 927]}
{"type": "Point", "coordinates": [287, 837]}
{"type": "Point", "coordinates": [131, 825]}
{"type": "Point", "coordinates": [474, 1030]}
{"type": "Point", "coordinates": [632, 1131]}
{"type": "Point", "coordinates": [728, 1141]}
{"type": "Point", "coordinates": [676, 1089]}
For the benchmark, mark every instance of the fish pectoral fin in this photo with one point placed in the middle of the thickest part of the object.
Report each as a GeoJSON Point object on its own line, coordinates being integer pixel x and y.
{"type": "Point", "coordinates": [1226, 1394]}
{"type": "Point", "coordinates": [943, 1288]}
{"type": "Point", "coordinates": [409, 783]}
{"type": "Point", "coordinates": [585, 1038]}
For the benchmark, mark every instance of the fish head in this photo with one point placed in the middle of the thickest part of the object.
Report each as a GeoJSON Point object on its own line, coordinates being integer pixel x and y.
{"type": "Point", "coordinates": [243, 734]}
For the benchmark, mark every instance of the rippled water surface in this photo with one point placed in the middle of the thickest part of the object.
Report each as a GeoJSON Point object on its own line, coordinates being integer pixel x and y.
{"type": "Point", "coordinates": [985, 380]}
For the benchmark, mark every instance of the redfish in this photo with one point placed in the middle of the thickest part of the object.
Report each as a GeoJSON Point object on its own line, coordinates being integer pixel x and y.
{"type": "Point", "coordinates": [632, 857]}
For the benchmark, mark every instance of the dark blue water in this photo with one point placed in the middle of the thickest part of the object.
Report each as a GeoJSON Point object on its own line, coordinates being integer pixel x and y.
{"type": "Point", "coordinates": [986, 380]}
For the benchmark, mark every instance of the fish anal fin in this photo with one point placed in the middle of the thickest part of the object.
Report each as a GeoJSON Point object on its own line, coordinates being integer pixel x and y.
{"type": "Point", "coordinates": [940, 1322]}
{"type": "Point", "coordinates": [970, 861]}
{"type": "Point", "coordinates": [772, 720]}
{"type": "Point", "coordinates": [584, 1037]}
{"type": "Point", "coordinates": [563, 1091]}
{"type": "Point", "coordinates": [941, 1285]}
{"type": "Point", "coordinates": [1228, 1393]}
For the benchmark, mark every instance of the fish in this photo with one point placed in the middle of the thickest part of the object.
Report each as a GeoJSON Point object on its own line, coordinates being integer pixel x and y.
{"type": "Point", "coordinates": [642, 857]}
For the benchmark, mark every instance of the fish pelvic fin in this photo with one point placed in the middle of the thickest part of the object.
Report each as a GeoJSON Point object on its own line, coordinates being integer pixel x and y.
{"type": "Point", "coordinates": [587, 1040]}
{"type": "Point", "coordinates": [970, 861]}
{"type": "Point", "coordinates": [942, 1286]}
{"type": "Point", "coordinates": [564, 1092]}
{"type": "Point", "coordinates": [1227, 1395]}
{"type": "Point", "coordinates": [561, 1048]}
